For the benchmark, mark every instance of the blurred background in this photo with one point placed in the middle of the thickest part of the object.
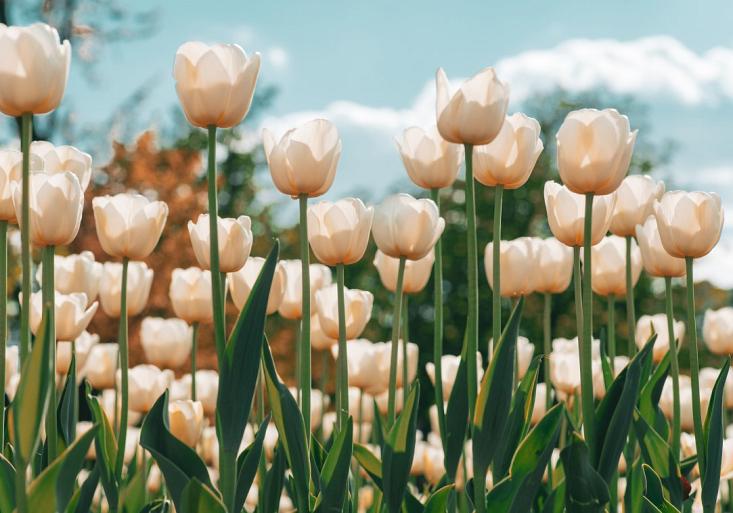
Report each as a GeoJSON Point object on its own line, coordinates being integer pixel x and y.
{"type": "Point", "coordinates": [369, 68]}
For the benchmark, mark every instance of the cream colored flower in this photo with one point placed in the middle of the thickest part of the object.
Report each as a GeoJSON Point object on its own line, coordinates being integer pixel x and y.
{"type": "Point", "coordinates": [72, 314]}
{"type": "Point", "coordinates": [58, 159]}
{"type": "Point", "coordinates": [186, 420]}
{"type": "Point", "coordinates": [11, 162]}
{"type": "Point", "coordinates": [689, 222]}
{"type": "Point", "coordinates": [166, 342]}
{"type": "Point", "coordinates": [647, 325]}
{"type": "Point", "coordinates": [416, 276]}
{"type": "Point", "coordinates": [406, 227]}
{"type": "Point", "coordinates": [139, 281]}
{"type": "Point", "coordinates": [518, 267]}
{"type": "Point", "coordinates": [357, 308]}
{"type": "Point", "coordinates": [635, 199]}
{"type": "Point", "coordinates": [83, 344]}
{"type": "Point", "coordinates": [207, 388]}
{"type": "Point", "coordinates": [146, 384]}
{"type": "Point", "coordinates": [101, 364]}
{"type": "Point", "coordinates": [566, 214]}
{"type": "Point", "coordinates": [338, 232]}
{"type": "Point", "coordinates": [190, 295]}
{"type": "Point", "coordinates": [242, 281]}
{"type": "Point", "coordinates": [431, 162]}
{"type": "Point", "coordinates": [319, 340]}
{"type": "Point", "coordinates": [291, 306]}
{"type": "Point", "coordinates": [449, 371]}
{"type": "Point", "coordinates": [608, 266]}
{"type": "Point", "coordinates": [235, 241]}
{"type": "Point", "coordinates": [75, 273]}
{"type": "Point", "coordinates": [656, 260]}
{"type": "Point", "coordinates": [554, 266]}
{"type": "Point", "coordinates": [717, 330]}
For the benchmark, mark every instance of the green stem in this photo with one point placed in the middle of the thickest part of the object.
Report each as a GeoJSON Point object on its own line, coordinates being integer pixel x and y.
{"type": "Point", "coordinates": [586, 357]}
{"type": "Point", "coordinates": [48, 294]}
{"type": "Point", "coordinates": [675, 367]}
{"type": "Point", "coordinates": [472, 255]}
{"type": "Point", "coordinates": [3, 323]}
{"type": "Point", "coordinates": [396, 315]}
{"type": "Point", "coordinates": [578, 291]}
{"type": "Point", "coordinates": [355, 469]}
{"type": "Point", "coordinates": [405, 341]}
{"type": "Point", "coordinates": [694, 369]}
{"type": "Point", "coordinates": [217, 293]}
{"type": "Point", "coordinates": [496, 268]}
{"type": "Point", "coordinates": [305, 321]}
{"type": "Point", "coordinates": [438, 325]}
{"type": "Point", "coordinates": [26, 134]}
{"type": "Point", "coordinates": [630, 314]}
{"type": "Point", "coordinates": [342, 384]}
{"type": "Point", "coordinates": [194, 350]}
{"type": "Point", "coordinates": [123, 359]}
{"type": "Point", "coordinates": [547, 346]}
{"type": "Point", "coordinates": [612, 330]}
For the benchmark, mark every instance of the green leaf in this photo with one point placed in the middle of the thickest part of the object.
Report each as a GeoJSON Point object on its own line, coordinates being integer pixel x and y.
{"type": "Point", "coordinates": [84, 495]}
{"type": "Point", "coordinates": [398, 451]}
{"type": "Point", "coordinates": [197, 497]}
{"type": "Point", "coordinates": [105, 448]}
{"type": "Point", "coordinates": [7, 485]}
{"type": "Point", "coordinates": [132, 496]}
{"type": "Point", "coordinates": [652, 391]}
{"type": "Point", "coordinates": [370, 463]}
{"type": "Point", "coordinates": [714, 434]}
{"type": "Point", "coordinates": [269, 501]}
{"type": "Point", "coordinates": [239, 370]}
{"type": "Point", "coordinates": [456, 417]}
{"type": "Point", "coordinates": [585, 490]}
{"type": "Point", "coordinates": [158, 506]}
{"type": "Point", "coordinates": [438, 500]}
{"type": "Point", "coordinates": [67, 406]}
{"type": "Point", "coordinates": [555, 502]}
{"type": "Point", "coordinates": [247, 465]}
{"type": "Point", "coordinates": [335, 472]}
{"type": "Point", "coordinates": [656, 452]}
{"type": "Point", "coordinates": [652, 485]}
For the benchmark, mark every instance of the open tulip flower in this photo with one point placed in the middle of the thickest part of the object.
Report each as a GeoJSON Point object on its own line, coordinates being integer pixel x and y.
{"type": "Point", "coordinates": [51, 160]}
{"type": "Point", "coordinates": [72, 314]}
{"type": "Point", "coordinates": [565, 214]}
{"type": "Point", "coordinates": [609, 264]}
{"type": "Point", "coordinates": [166, 342]}
{"type": "Point", "coordinates": [76, 273]}
{"type": "Point", "coordinates": [242, 281]}
{"type": "Point", "coordinates": [235, 241]}
{"type": "Point", "coordinates": [518, 271]}
{"type": "Point", "coordinates": [190, 295]}
{"type": "Point", "coordinates": [656, 260]}
{"type": "Point", "coordinates": [339, 232]}
{"type": "Point", "coordinates": [689, 222]}
{"type": "Point", "coordinates": [717, 330]}
{"type": "Point", "coordinates": [431, 162]}
{"type": "Point", "coordinates": [291, 304]}
{"type": "Point", "coordinates": [147, 383]}
{"type": "Point", "coordinates": [635, 199]}
{"type": "Point", "coordinates": [417, 272]}
{"type": "Point", "coordinates": [139, 281]}
{"type": "Point", "coordinates": [647, 325]}
{"type": "Point", "coordinates": [358, 311]}
{"type": "Point", "coordinates": [10, 172]}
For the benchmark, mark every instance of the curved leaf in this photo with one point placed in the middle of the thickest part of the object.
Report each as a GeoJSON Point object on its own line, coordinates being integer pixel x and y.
{"type": "Point", "coordinates": [105, 448]}
{"type": "Point", "coordinates": [714, 434]}
{"type": "Point", "coordinates": [370, 463]}
{"type": "Point", "coordinates": [7, 485]}
{"type": "Point", "coordinates": [438, 500]}
{"type": "Point", "coordinates": [269, 500]}
{"type": "Point", "coordinates": [197, 497]}
{"type": "Point", "coordinates": [67, 406]}
{"type": "Point", "coordinates": [399, 450]}
{"type": "Point", "coordinates": [335, 472]}
{"type": "Point", "coordinates": [585, 490]}
{"type": "Point", "coordinates": [247, 465]}
{"type": "Point", "coordinates": [81, 502]}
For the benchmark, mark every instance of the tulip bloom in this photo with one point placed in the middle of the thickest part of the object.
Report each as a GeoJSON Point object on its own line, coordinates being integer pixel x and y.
{"type": "Point", "coordinates": [186, 421]}
{"type": "Point", "coordinates": [83, 346]}
{"type": "Point", "coordinates": [190, 295]}
{"type": "Point", "coordinates": [362, 363]}
{"type": "Point", "coordinates": [339, 232]}
{"type": "Point", "coordinates": [76, 273]}
{"type": "Point", "coordinates": [215, 84]}
{"type": "Point", "coordinates": [656, 260]}
{"type": "Point", "coordinates": [139, 281]}
{"type": "Point", "coordinates": [509, 159]}
{"type": "Point", "coordinates": [475, 113]}
{"type": "Point", "coordinates": [687, 420]}
{"type": "Point", "coordinates": [594, 150]}
{"type": "Point", "coordinates": [72, 314]}
{"type": "Point", "coordinates": [319, 340]}
{"type": "Point", "coordinates": [235, 241]}
{"type": "Point", "coordinates": [635, 199]}
{"type": "Point", "coordinates": [717, 330]}
{"type": "Point", "coordinates": [101, 364]}
{"type": "Point", "coordinates": [566, 214]}
{"type": "Point", "coordinates": [689, 222]}
{"type": "Point", "coordinates": [147, 383]}
{"type": "Point", "coordinates": [417, 272]}
{"type": "Point", "coordinates": [166, 342]}
{"type": "Point", "coordinates": [34, 69]}
{"type": "Point", "coordinates": [10, 172]}
{"type": "Point", "coordinates": [608, 265]}
{"type": "Point", "coordinates": [207, 388]}
{"type": "Point", "coordinates": [518, 266]}
{"type": "Point", "coordinates": [291, 304]}
{"type": "Point", "coordinates": [449, 366]}
{"type": "Point", "coordinates": [53, 160]}
{"type": "Point", "coordinates": [242, 281]}
{"type": "Point", "coordinates": [657, 324]}
{"type": "Point", "coordinates": [553, 266]}
{"type": "Point", "coordinates": [357, 308]}
{"type": "Point", "coordinates": [431, 162]}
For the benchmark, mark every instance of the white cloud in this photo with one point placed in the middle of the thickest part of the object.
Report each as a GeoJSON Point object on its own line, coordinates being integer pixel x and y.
{"type": "Point", "coordinates": [277, 56]}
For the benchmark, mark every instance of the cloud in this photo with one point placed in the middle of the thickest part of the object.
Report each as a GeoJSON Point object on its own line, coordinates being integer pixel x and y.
{"type": "Point", "coordinates": [277, 56]}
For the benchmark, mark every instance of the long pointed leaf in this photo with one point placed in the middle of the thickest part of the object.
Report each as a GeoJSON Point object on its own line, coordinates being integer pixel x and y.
{"type": "Point", "coordinates": [247, 465]}
{"type": "Point", "coordinates": [399, 450]}
{"type": "Point", "coordinates": [714, 434]}
{"type": "Point", "coordinates": [335, 473]}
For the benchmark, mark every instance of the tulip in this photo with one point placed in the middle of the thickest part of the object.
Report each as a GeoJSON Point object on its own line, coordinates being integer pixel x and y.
{"type": "Point", "coordinates": [362, 363]}
{"type": "Point", "coordinates": [190, 295]}
{"type": "Point", "coordinates": [565, 214]}
{"type": "Point", "coordinates": [599, 384]}
{"type": "Point", "coordinates": [449, 366]}
{"type": "Point", "coordinates": [291, 304]}
{"type": "Point", "coordinates": [656, 260]}
{"type": "Point", "coordinates": [147, 383]}
{"type": "Point", "coordinates": [689, 222]}
{"type": "Point", "coordinates": [235, 241]}
{"type": "Point", "coordinates": [565, 373]}
{"type": "Point", "coordinates": [100, 366]}
{"type": "Point", "coordinates": [76, 273]}
{"type": "Point", "coordinates": [10, 172]}
{"type": "Point", "coordinates": [525, 353]}
{"type": "Point", "coordinates": [686, 401]}
{"type": "Point", "coordinates": [242, 281]}
{"type": "Point", "coordinates": [12, 365]}
{"type": "Point", "coordinates": [431, 162]}
{"type": "Point", "coordinates": [416, 276]}
{"type": "Point", "coordinates": [52, 160]}
{"type": "Point", "coordinates": [207, 388]}
{"type": "Point", "coordinates": [717, 330]}
{"type": "Point", "coordinates": [518, 270]}
{"type": "Point", "coordinates": [129, 225]}
{"type": "Point", "coordinates": [553, 266]}
{"type": "Point", "coordinates": [303, 162]}
{"type": "Point", "coordinates": [215, 84]}
{"type": "Point", "coordinates": [384, 363]}
{"type": "Point", "coordinates": [34, 71]}
{"type": "Point", "coordinates": [657, 324]}
{"type": "Point", "coordinates": [109, 401]}
{"type": "Point", "coordinates": [608, 266]}
{"type": "Point", "coordinates": [358, 311]}
{"type": "Point", "coordinates": [635, 199]}
{"type": "Point", "coordinates": [319, 340]}
{"type": "Point", "coordinates": [82, 347]}
{"type": "Point", "coordinates": [594, 150]}
{"type": "Point", "coordinates": [339, 232]}
{"type": "Point", "coordinates": [509, 159]}
{"type": "Point", "coordinates": [139, 281]}
{"type": "Point", "coordinates": [539, 408]}
{"type": "Point", "coordinates": [186, 421]}
{"type": "Point", "coordinates": [72, 314]}
{"type": "Point", "coordinates": [166, 342]}
{"type": "Point", "coordinates": [475, 113]}
{"type": "Point", "coordinates": [317, 404]}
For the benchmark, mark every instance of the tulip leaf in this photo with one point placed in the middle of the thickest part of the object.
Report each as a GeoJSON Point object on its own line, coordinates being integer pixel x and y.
{"type": "Point", "coordinates": [247, 465]}
{"type": "Point", "coordinates": [269, 499]}
{"type": "Point", "coordinates": [178, 463]}
{"type": "Point", "coordinates": [585, 490]}
{"type": "Point", "coordinates": [7, 485]}
{"type": "Point", "coordinates": [654, 492]}
{"type": "Point", "coordinates": [335, 473]}
{"type": "Point", "coordinates": [650, 394]}
{"type": "Point", "coordinates": [714, 433]}
{"type": "Point", "coordinates": [555, 502]}
{"type": "Point", "coordinates": [198, 497]}
{"type": "Point", "coordinates": [157, 506]}
{"type": "Point", "coordinates": [438, 500]}
{"type": "Point", "coordinates": [105, 448]}
{"type": "Point", "coordinates": [67, 406]}
{"type": "Point", "coordinates": [456, 417]}
{"type": "Point", "coordinates": [370, 463]}
{"type": "Point", "coordinates": [239, 369]}
{"type": "Point", "coordinates": [82, 500]}
{"type": "Point", "coordinates": [656, 452]}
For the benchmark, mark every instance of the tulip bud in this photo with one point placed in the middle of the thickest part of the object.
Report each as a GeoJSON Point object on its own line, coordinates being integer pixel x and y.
{"type": "Point", "coordinates": [525, 353]}
{"type": "Point", "coordinates": [10, 171]}
{"type": "Point", "coordinates": [110, 400]}
{"type": "Point", "coordinates": [56, 205]}
{"type": "Point", "coordinates": [190, 295]}
{"type": "Point", "coordinates": [83, 345]}
{"type": "Point", "coordinates": [72, 314]}
{"type": "Point", "coordinates": [291, 304]}
{"type": "Point", "coordinates": [406, 227]}
{"type": "Point", "coordinates": [215, 84]}
{"type": "Point", "coordinates": [431, 162]}
{"type": "Point", "coordinates": [717, 330]}
{"type": "Point", "coordinates": [594, 150]}
{"type": "Point", "coordinates": [146, 384]}
{"type": "Point", "coordinates": [651, 324]}
{"type": "Point", "coordinates": [186, 421]}
{"type": "Point", "coordinates": [166, 342]}
{"type": "Point", "coordinates": [509, 159]}
{"type": "Point", "coordinates": [565, 373]}
{"type": "Point", "coordinates": [608, 266]}
{"type": "Point", "coordinates": [319, 340]}
{"type": "Point", "coordinates": [374, 364]}
{"type": "Point", "coordinates": [539, 408]}
{"type": "Point", "coordinates": [417, 272]}
{"type": "Point", "coordinates": [339, 232]}
{"type": "Point", "coordinates": [129, 225]}
{"type": "Point", "coordinates": [476, 112]}
{"type": "Point", "coordinates": [304, 160]}
{"type": "Point", "coordinates": [656, 260]}
{"type": "Point", "coordinates": [242, 281]}
{"type": "Point", "coordinates": [566, 214]}
{"type": "Point", "coordinates": [357, 309]}
{"type": "Point", "coordinates": [666, 401]}
{"type": "Point", "coordinates": [362, 361]}
{"type": "Point", "coordinates": [53, 160]}
{"type": "Point", "coordinates": [139, 281]}
{"type": "Point", "coordinates": [518, 269]}
{"type": "Point", "coordinates": [449, 370]}
{"type": "Point", "coordinates": [635, 199]}
{"type": "Point", "coordinates": [207, 388]}
{"type": "Point", "coordinates": [35, 69]}
{"type": "Point", "coordinates": [235, 241]}
{"type": "Point", "coordinates": [554, 266]}
{"type": "Point", "coordinates": [689, 222]}
{"type": "Point", "coordinates": [100, 366]}
{"type": "Point", "coordinates": [75, 273]}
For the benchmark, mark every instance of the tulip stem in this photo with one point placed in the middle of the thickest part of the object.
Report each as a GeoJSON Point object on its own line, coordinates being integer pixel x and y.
{"type": "Point", "coordinates": [496, 266]}
{"type": "Point", "coordinates": [577, 288]}
{"type": "Point", "coordinates": [123, 359]}
{"type": "Point", "coordinates": [26, 134]}
{"type": "Point", "coordinates": [630, 313]}
{"type": "Point", "coordinates": [3, 323]}
{"type": "Point", "coordinates": [305, 321]}
{"type": "Point", "coordinates": [217, 294]}
{"type": "Point", "coordinates": [194, 350]}
{"type": "Point", "coordinates": [472, 314]}
{"type": "Point", "coordinates": [438, 325]}
{"type": "Point", "coordinates": [396, 315]}
{"type": "Point", "coordinates": [547, 340]}
{"type": "Point", "coordinates": [586, 356]}
{"type": "Point", "coordinates": [612, 330]}
{"type": "Point", "coordinates": [405, 340]}
{"type": "Point", "coordinates": [694, 369]}
{"type": "Point", "coordinates": [342, 392]}
{"type": "Point", "coordinates": [49, 305]}
{"type": "Point", "coordinates": [675, 367]}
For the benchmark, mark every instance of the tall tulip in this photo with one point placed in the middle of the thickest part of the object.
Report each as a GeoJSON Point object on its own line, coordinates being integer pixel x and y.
{"type": "Point", "coordinates": [166, 342]}
{"type": "Point", "coordinates": [242, 281]}
{"type": "Point", "coordinates": [59, 159]}
{"type": "Point", "coordinates": [518, 267]}
{"type": "Point", "coordinates": [717, 330]}
{"type": "Point", "coordinates": [319, 276]}
{"type": "Point", "coordinates": [76, 273]}
{"type": "Point", "coordinates": [417, 272]}
{"type": "Point", "coordinates": [139, 281]}
{"type": "Point", "coordinates": [235, 242]}
{"type": "Point", "coordinates": [356, 312]}
{"type": "Point", "coordinates": [71, 313]}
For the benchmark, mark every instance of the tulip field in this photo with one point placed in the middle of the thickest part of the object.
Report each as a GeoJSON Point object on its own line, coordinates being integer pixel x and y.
{"type": "Point", "coordinates": [592, 424]}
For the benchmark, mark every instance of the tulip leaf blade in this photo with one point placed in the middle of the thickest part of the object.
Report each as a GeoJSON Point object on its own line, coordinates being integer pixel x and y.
{"type": "Point", "coordinates": [714, 433]}
{"type": "Point", "coordinates": [438, 500]}
{"type": "Point", "coordinates": [82, 500]}
{"type": "Point", "coordinates": [247, 465]}
{"type": "Point", "coordinates": [67, 406]}
{"type": "Point", "coordinates": [274, 480]}
{"type": "Point", "coordinates": [585, 490]}
{"type": "Point", "coordinates": [650, 394]}
{"type": "Point", "coordinates": [197, 497]}
{"type": "Point", "coordinates": [456, 417]}
{"type": "Point", "coordinates": [7, 485]}
{"type": "Point", "coordinates": [370, 463]}
{"type": "Point", "coordinates": [105, 448]}
{"type": "Point", "coordinates": [335, 473]}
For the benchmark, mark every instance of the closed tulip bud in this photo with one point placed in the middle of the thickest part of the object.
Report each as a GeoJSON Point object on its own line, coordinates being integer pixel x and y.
{"type": "Point", "coordinates": [518, 267]}
{"type": "Point", "coordinates": [381, 373]}
{"type": "Point", "coordinates": [363, 357]}
{"type": "Point", "coordinates": [608, 266]}
{"type": "Point", "coordinates": [565, 373]}
{"type": "Point", "coordinates": [291, 305]}
{"type": "Point", "coordinates": [599, 384]}
{"type": "Point", "coordinates": [417, 272]}
{"type": "Point", "coordinates": [539, 408]}
{"type": "Point", "coordinates": [186, 421]}
{"type": "Point", "coordinates": [594, 150]}
{"type": "Point", "coordinates": [717, 330]}
{"type": "Point", "coordinates": [207, 388]}
{"type": "Point", "coordinates": [509, 159]}
{"type": "Point", "coordinates": [357, 309]}
{"type": "Point", "coordinates": [101, 364]}
{"type": "Point", "coordinates": [475, 113]}
{"type": "Point", "coordinates": [406, 227]}
{"type": "Point", "coordinates": [358, 397]}
{"type": "Point", "coordinates": [72, 314]}
{"type": "Point", "coordinates": [648, 325]}
{"type": "Point", "coordinates": [242, 281]}
{"type": "Point", "coordinates": [449, 370]}
{"type": "Point", "coordinates": [235, 241]}
{"type": "Point", "coordinates": [554, 262]}
{"type": "Point", "coordinates": [166, 342]}
{"type": "Point", "coordinates": [139, 281]}
{"type": "Point", "coordinates": [689, 222]}
{"type": "Point", "coordinates": [10, 171]}
{"type": "Point", "coordinates": [215, 84]}
{"type": "Point", "coordinates": [319, 340]}
{"type": "Point", "coordinates": [75, 273]}
{"type": "Point", "coordinates": [566, 214]}
{"type": "Point", "coordinates": [35, 67]}
{"type": "Point", "coordinates": [190, 295]}
{"type": "Point", "coordinates": [83, 346]}
{"type": "Point", "coordinates": [129, 225]}
{"type": "Point", "coordinates": [304, 160]}
{"type": "Point", "coordinates": [338, 232]}
{"type": "Point", "coordinates": [666, 401]}
{"type": "Point", "coordinates": [52, 160]}
{"type": "Point", "coordinates": [525, 353]}
{"type": "Point", "coordinates": [657, 262]}
{"type": "Point", "coordinates": [431, 162]}
{"type": "Point", "coordinates": [635, 199]}
{"type": "Point", "coordinates": [56, 205]}
{"type": "Point", "coordinates": [146, 384]}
